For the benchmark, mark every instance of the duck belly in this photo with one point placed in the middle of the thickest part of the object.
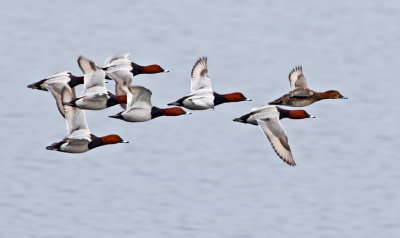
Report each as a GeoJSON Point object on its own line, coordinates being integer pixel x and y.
{"type": "Point", "coordinates": [66, 147]}
{"type": "Point", "coordinates": [300, 102]}
{"type": "Point", "coordinates": [199, 103]}
{"type": "Point", "coordinates": [137, 115]}
{"type": "Point", "coordinates": [92, 103]}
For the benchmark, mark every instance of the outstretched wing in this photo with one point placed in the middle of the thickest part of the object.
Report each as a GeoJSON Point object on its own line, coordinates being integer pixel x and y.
{"type": "Point", "coordinates": [141, 97]}
{"type": "Point", "coordinates": [200, 78]}
{"type": "Point", "coordinates": [118, 68]}
{"type": "Point", "coordinates": [74, 117]}
{"type": "Point", "coordinates": [137, 97]}
{"type": "Point", "coordinates": [110, 61]}
{"type": "Point", "coordinates": [56, 90]}
{"type": "Point", "coordinates": [276, 135]}
{"type": "Point", "coordinates": [93, 78]}
{"type": "Point", "coordinates": [297, 79]}
{"type": "Point", "coordinates": [301, 93]}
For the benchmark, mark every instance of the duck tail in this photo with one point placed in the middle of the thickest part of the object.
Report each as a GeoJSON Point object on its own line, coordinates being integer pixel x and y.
{"type": "Point", "coordinates": [38, 85]}
{"type": "Point", "coordinates": [238, 120]}
{"type": "Point", "coordinates": [275, 102]}
{"type": "Point", "coordinates": [117, 116]}
{"type": "Point", "coordinates": [174, 104]}
{"type": "Point", "coordinates": [55, 146]}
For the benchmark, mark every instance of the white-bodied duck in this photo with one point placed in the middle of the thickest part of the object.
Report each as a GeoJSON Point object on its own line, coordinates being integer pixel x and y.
{"type": "Point", "coordinates": [95, 95]}
{"type": "Point", "coordinates": [140, 109]}
{"type": "Point", "coordinates": [79, 138]}
{"type": "Point", "coordinates": [202, 96]}
{"type": "Point", "coordinates": [55, 84]}
{"type": "Point", "coordinates": [267, 117]}
{"type": "Point", "coordinates": [120, 69]}
{"type": "Point", "coordinates": [62, 77]}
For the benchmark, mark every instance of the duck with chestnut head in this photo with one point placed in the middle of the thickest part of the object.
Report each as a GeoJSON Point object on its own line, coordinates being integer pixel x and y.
{"type": "Point", "coordinates": [79, 138]}
{"type": "Point", "coordinates": [301, 95]}
{"type": "Point", "coordinates": [202, 96]}
{"type": "Point", "coordinates": [267, 117]}
{"type": "Point", "coordinates": [120, 69]}
{"type": "Point", "coordinates": [140, 109]}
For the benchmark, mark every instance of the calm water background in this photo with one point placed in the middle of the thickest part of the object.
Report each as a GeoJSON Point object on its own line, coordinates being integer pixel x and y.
{"type": "Point", "coordinates": [203, 175]}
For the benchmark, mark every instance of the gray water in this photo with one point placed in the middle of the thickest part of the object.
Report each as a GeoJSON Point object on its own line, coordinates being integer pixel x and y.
{"type": "Point", "coordinates": [204, 175]}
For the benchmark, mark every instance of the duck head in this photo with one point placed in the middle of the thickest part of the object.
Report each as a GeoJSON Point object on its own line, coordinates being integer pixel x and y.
{"type": "Point", "coordinates": [112, 139]}
{"type": "Point", "coordinates": [333, 94]}
{"type": "Point", "coordinates": [230, 97]}
{"type": "Point", "coordinates": [153, 69]}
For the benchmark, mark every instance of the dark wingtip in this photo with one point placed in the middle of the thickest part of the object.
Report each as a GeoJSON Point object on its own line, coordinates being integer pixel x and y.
{"type": "Point", "coordinates": [238, 120]}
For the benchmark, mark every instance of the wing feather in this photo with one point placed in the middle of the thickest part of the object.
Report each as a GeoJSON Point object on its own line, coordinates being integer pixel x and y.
{"type": "Point", "coordinates": [200, 78]}
{"type": "Point", "coordinates": [141, 97]}
{"type": "Point", "coordinates": [297, 79]}
{"type": "Point", "coordinates": [75, 118]}
{"type": "Point", "coordinates": [114, 58]}
{"type": "Point", "coordinates": [56, 90]}
{"type": "Point", "coordinates": [275, 133]}
{"type": "Point", "coordinates": [94, 77]}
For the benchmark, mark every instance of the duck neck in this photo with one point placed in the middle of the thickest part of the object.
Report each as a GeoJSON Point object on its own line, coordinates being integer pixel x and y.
{"type": "Point", "coordinates": [323, 95]}
{"type": "Point", "coordinates": [283, 113]}
{"type": "Point", "coordinates": [75, 80]}
{"type": "Point", "coordinates": [219, 99]}
{"type": "Point", "coordinates": [156, 112]}
{"type": "Point", "coordinates": [136, 69]}
{"type": "Point", "coordinates": [96, 142]}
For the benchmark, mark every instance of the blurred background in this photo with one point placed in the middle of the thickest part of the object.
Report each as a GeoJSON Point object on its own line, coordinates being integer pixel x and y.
{"type": "Point", "coordinates": [203, 175]}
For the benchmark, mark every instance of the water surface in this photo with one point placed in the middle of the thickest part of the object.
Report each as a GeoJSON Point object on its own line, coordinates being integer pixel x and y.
{"type": "Point", "coordinates": [203, 175]}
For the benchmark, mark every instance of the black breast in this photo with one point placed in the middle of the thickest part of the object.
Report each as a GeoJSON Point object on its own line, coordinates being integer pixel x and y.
{"type": "Point", "coordinates": [136, 69]}
{"type": "Point", "coordinates": [156, 112]}
{"type": "Point", "coordinates": [218, 99]}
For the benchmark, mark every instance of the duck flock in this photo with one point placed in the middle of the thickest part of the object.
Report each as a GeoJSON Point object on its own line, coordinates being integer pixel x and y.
{"type": "Point", "coordinates": [137, 107]}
